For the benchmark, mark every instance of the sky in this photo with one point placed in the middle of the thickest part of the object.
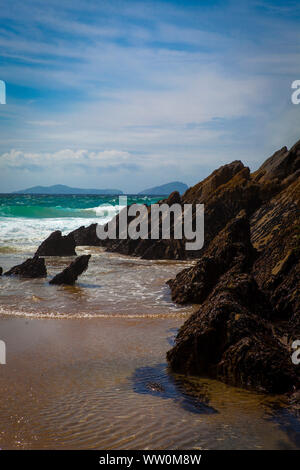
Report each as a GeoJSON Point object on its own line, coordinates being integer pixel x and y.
{"type": "Point", "coordinates": [134, 94]}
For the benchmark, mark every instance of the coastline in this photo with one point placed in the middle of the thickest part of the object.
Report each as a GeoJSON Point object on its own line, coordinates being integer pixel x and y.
{"type": "Point", "coordinates": [87, 363]}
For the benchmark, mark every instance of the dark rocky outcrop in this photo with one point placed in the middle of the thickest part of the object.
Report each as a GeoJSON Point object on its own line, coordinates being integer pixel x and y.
{"type": "Point", "coordinates": [86, 236]}
{"type": "Point", "coordinates": [247, 281]}
{"type": "Point", "coordinates": [275, 233]}
{"type": "Point", "coordinates": [246, 278]}
{"type": "Point", "coordinates": [225, 193]}
{"type": "Point", "coordinates": [230, 251]}
{"type": "Point", "coordinates": [281, 165]}
{"type": "Point", "coordinates": [69, 275]}
{"type": "Point", "coordinates": [231, 338]}
{"type": "Point", "coordinates": [31, 268]}
{"type": "Point", "coordinates": [1, 271]}
{"type": "Point", "coordinates": [57, 245]}
{"type": "Point", "coordinates": [144, 248]}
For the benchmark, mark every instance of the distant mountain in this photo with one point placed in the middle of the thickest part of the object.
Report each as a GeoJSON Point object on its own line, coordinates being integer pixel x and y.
{"type": "Point", "coordinates": [166, 189]}
{"type": "Point", "coordinates": [62, 189]}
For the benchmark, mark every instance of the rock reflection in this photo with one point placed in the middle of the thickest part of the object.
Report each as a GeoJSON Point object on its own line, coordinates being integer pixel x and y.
{"type": "Point", "coordinates": [159, 381]}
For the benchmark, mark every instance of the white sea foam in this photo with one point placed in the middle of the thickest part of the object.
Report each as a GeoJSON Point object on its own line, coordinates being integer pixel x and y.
{"type": "Point", "coordinates": [67, 316]}
{"type": "Point", "coordinates": [104, 211]}
{"type": "Point", "coordinates": [23, 232]}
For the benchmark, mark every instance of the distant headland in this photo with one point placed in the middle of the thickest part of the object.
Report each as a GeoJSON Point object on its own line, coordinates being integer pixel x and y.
{"type": "Point", "coordinates": [165, 189]}
{"type": "Point", "coordinates": [63, 189]}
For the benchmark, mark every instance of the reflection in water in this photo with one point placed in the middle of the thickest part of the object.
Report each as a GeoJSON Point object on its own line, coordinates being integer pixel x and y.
{"type": "Point", "coordinates": [157, 381]}
{"type": "Point", "coordinates": [171, 339]}
{"type": "Point", "coordinates": [287, 421]}
{"type": "Point", "coordinates": [102, 383]}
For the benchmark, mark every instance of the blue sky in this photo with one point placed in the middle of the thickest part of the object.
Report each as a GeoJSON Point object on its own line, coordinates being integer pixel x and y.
{"type": "Point", "coordinates": [131, 94]}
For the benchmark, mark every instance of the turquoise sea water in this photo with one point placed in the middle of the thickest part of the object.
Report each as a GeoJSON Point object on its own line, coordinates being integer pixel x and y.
{"type": "Point", "coordinates": [53, 206]}
{"type": "Point", "coordinates": [24, 219]}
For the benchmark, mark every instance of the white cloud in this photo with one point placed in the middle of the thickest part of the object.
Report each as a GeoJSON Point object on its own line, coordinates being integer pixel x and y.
{"type": "Point", "coordinates": [65, 158]}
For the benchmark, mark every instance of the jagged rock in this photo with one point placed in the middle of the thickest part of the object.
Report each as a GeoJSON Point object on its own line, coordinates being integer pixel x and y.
{"type": "Point", "coordinates": [32, 267]}
{"type": "Point", "coordinates": [247, 280]}
{"type": "Point", "coordinates": [201, 191]}
{"type": "Point", "coordinates": [57, 245]}
{"type": "Point", "coordinates": [174, 198]}
{"type": "Point", "coordinates": [86, 236]}
{"type": "Point", "coordinates": [231, 338]}
{"type": "Point", "coordinates": [69, 275]}
{"type": "Point", "coordinates": [280, 165]}
{"type": "Point", "coordinates": [231, 250]}
{"type": "Point", "coordinates": [275, 233]}
{"type": "Point", "coordinates": [226, 192]}
{"type": "Point", "coordinates": [148, 248]}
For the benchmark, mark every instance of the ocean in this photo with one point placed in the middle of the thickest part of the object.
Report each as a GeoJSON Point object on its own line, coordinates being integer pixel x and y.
{"type": "Point", "coordinates": [112, 285]}
{"type": "Point", "coordinates": [26, 220]}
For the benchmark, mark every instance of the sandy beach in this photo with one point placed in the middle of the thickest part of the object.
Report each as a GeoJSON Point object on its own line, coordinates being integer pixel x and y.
{"type": "Point", "coordinates": [93, 383]}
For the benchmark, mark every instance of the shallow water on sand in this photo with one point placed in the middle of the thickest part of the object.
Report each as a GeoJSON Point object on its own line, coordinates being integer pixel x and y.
{"type": "Point", "coordinates": [86, 367]}
{"type": "Point", "coordinates": [103, 383]}
{"type": "Point", "coordinates": [113, 285]}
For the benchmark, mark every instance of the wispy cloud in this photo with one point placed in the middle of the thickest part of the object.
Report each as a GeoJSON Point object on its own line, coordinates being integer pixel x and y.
{"type": "Point", "coordinates": [183, 86]}
{"type": "Point", "coordinates": [64, 158]}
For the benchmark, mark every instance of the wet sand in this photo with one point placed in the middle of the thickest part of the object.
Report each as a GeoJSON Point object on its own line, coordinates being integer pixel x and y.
{"type": "Point", "coordinates": [92, 383]}
{"type": "Point", "coordinates": [113, 285]}
{"type": "Point", "coordinates": [86, 367]}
